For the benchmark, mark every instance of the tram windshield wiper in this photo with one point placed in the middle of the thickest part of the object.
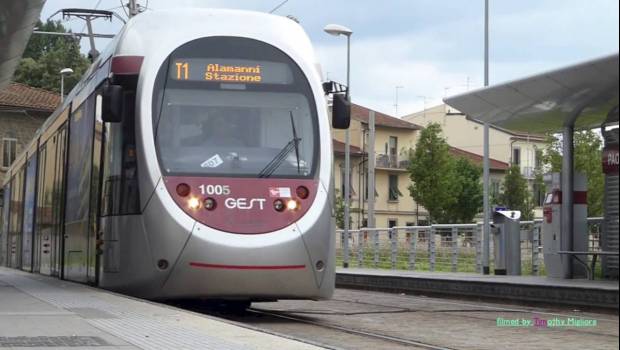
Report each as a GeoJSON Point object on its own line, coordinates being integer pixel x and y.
{"type": "Point", "coordinates": [273, 165]}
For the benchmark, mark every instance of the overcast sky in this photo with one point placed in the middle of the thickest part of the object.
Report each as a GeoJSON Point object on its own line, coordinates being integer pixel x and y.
{"type": "Point", "coordinates": [431, 48]}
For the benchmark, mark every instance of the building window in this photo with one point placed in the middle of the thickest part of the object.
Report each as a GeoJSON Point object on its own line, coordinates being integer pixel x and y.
{"type": "Point", "coordinates": [9, 150]}
{"type": "Point", "coordinates": [393, 149]}
{"type": "Point", "coordinates": [494, 189]}
{"type": "Point", "coordinates": [394, 192]}
{"type": "Point", "coordinates": [392, 223]}
{"type": "Point", "coordinates": [539, 194]}
{"type": "Point", "coordinates": [516, 156]}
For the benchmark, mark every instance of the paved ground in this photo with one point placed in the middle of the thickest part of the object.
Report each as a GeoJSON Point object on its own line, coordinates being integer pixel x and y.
{"type": "Point", "coordinates": [38, 312]}
{"type": "Point", "coordinates": [448, 323]}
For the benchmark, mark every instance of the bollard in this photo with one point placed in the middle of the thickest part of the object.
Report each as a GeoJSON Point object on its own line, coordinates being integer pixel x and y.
{"type": "Point", "coordinates": [535, 247]}
{"type": "Point", "coordinates": [455, 247]}
{"type": "Point", "coordinates": [360, 248]}
{"type": "Point", "coordinates": [393, 234]}
{"type": "Point", "coordinates": [412, 247]}
{"type": "Point", "coordinates": [376, 249]}
{"type": "Point", "coordinates": [479, 248]}
{"type": "Point", "coordinates": [431, 249]}
{"type": "Point", "coordinates": [345, 258]}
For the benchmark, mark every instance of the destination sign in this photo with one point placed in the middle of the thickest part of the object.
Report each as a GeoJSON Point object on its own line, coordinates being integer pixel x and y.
{"type": "Point", "coordinates": [230, 71]}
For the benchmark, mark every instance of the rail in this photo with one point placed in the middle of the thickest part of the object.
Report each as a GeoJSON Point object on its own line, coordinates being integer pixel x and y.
{"type": "Point", "coordinates": [441, 247]}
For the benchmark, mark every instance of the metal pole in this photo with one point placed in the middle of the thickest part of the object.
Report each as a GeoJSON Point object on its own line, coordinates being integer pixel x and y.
{"type": "Point", "coordinates": [62, 88]}
{"type": "Point", "coordinates": [566, 233]}
{"type": "Point", "coordinates": [93, 51]}
{"type": "Point", "coordinates": [347, 165]}
{"type": "Point", "coordinates": [371, 170]}
{"type": "Point", "coordinates": [486, 43]}
{"type": "Point", "coordinates": [133, 8]}
{"type": "Point", "coordinates": [485, 182]}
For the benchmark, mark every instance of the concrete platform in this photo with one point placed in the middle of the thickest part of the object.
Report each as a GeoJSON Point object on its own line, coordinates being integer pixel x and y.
{"type": "Point", "coordinates": [39, 312]}
{"type": "Point", "coordinates": [603, 294]}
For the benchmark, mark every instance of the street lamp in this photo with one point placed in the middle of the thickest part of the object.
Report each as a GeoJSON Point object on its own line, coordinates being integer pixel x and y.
{"type": "Point", "coordinates": [63, 72]}
{"type": "Point", "coordinates": [336, 29]}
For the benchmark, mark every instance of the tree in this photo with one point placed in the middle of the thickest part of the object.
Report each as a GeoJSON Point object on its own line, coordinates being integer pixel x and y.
{"type": "Point", "coordinates": [46, 55]}
{"type": "Point", "coordinates": [469, 197]}
{"type": "Point", "coordinates": [515, 194]}
{"type": "Point", "coordinates": [432, 174]}
{"type": "Point", "coordinates": [339, 210]}
{"type": "Point", "coordinates": [587, 159]}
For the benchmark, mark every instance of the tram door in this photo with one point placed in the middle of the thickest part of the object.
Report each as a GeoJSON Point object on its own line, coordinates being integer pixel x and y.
{"type": "Point", "coordinates": [50, 203]}
{"type": "Point", "coordinates": [80, 254]}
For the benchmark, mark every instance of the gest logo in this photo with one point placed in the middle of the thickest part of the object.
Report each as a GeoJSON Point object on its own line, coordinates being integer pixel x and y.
{"type": "Point", "coordinates": [244, 203]}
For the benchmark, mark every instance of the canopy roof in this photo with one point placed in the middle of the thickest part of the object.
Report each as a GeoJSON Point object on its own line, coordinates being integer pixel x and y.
{"type": "Point", "coordinates": [585, 93]}
{"type": "Point", "coordinates": [17, 20]}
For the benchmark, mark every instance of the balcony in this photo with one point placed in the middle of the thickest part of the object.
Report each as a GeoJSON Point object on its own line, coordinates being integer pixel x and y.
{"type": "Point", "coordinates": [528, 172]}
{"type": "Point", "coordinates": [390, 162]}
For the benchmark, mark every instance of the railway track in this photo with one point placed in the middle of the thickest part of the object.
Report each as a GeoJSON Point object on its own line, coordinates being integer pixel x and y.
{"type": "Point", "coordinates": [357, 332]}
{"type": "Point", "coordinates": [372, 320]}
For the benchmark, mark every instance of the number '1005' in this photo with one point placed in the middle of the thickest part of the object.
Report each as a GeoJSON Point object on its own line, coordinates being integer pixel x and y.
{"type": "Point", "coordinates": [214, 189]}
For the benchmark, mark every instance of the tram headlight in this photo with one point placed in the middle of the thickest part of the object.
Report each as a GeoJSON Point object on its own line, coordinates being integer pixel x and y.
{"type": "Point", "coordinates": [210, 203]}
{"type": "Point", "coordinates": [193, 203]}
{"type": "Point", "coordinates": [292, 204]}
{"type": "Point", "coordinates": [278, 205]}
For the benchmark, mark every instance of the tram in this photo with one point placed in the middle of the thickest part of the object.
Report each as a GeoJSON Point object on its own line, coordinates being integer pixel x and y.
{"type": "Point", "coordinates": [193, 160]}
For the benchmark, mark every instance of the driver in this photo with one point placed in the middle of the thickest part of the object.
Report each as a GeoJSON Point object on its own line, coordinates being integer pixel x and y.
{"type": "Point", "coordinates": [218, 128]}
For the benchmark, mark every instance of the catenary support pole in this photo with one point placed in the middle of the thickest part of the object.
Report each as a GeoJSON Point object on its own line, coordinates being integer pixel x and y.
{"type": "Point", "coordinates": [371, 169]}
{"type": "Point", "coordinates": [486, 206]}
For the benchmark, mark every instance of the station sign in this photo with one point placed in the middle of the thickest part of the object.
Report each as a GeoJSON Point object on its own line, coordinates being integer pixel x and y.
{"type": "Point", "coordinates": [611, 159]}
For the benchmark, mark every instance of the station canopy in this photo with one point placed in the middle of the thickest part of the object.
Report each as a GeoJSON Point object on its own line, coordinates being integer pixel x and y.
{"type": "Point", "coordinates": [585, 93]}
{"type": "Point", "coordinates": [17, 21]}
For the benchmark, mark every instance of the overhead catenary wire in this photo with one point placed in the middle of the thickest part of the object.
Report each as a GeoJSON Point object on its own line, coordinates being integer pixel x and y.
{"type": "Point", "coordinates": [277, 7]}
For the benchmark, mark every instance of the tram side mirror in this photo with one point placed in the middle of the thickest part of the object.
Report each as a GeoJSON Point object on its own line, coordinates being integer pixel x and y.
{"type": "Point", "coordinates": [112, 104]}
{"type": "Point", "coordinates": [341, 112]}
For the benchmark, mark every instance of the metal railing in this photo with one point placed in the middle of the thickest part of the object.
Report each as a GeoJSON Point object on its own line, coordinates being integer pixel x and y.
{"type": "Point", "coordinates": [391, 161]}
{"type": "Point", "coordinates": [441, 247]}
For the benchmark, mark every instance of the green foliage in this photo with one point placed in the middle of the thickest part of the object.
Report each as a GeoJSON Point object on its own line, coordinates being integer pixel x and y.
{"type": "Point", "coordinates": [587, 159]}
{"type": "Point", "coordinates": [46, 55]}
{"type": "Point", "coordinates": [432, 173]}
{"type": "Point", "coordinates": [448, 188]}
{"type": "Point", "coordinates": [515, 194]}
{"type": "Point", "coordinates": [469, 197]}
{"type": "Point", "coordinates": [339, 209]}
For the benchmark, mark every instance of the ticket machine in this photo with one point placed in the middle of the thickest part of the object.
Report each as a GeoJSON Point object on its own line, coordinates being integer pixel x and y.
{"type": "Point", "coordinates": [552, 226]}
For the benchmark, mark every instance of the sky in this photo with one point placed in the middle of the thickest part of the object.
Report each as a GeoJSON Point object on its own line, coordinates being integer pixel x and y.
{"type": "Point", "coordinates": [429, 49]}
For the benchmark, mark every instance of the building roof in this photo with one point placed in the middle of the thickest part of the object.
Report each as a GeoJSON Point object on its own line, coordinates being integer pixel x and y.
{"type": "Point", "coordinates": [360, 113]}
{"type": "Point", "coordinates": [477, 159]}
{"type": "Point", "coordinates": [339, 148]}
{"type": "Point", "coordinates": [18, 95]}
{"type": "Point", "coordinates": [451, 111]}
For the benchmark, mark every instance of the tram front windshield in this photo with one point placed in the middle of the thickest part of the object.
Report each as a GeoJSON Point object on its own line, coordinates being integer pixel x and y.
{"type": "Point", "coordinates": [234, 107]}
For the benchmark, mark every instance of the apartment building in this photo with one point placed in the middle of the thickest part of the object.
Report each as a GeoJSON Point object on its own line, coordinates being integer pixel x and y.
{"type": "Point", "coordinates": [506, 146]}
{"type": "Point", "coordinates": [393, 138]}
{"type": "Point", "coordinates": [23, 109]}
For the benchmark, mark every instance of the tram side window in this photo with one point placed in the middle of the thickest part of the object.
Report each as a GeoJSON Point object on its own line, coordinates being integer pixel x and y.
{"type": "Point", "coordinates": [120, 195]}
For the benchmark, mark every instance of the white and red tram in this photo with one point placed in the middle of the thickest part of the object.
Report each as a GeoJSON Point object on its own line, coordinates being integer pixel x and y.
{"type": "Point", "coordinates": [194, 159]}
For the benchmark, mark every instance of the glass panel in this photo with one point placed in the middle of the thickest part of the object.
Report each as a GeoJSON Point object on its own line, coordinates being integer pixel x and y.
{"type": "Point", "coordinates": [78, 192]}
{"type": "Point", "coordinates": [5, 225]}
{"type": "Point", "coordinates": [260, 122]}
{"type": "Point", "coordinates": [29, 205]}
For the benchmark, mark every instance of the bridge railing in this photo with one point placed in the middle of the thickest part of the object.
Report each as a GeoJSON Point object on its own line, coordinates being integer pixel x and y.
{"type": "Point", "coordinates": [441, 247]}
